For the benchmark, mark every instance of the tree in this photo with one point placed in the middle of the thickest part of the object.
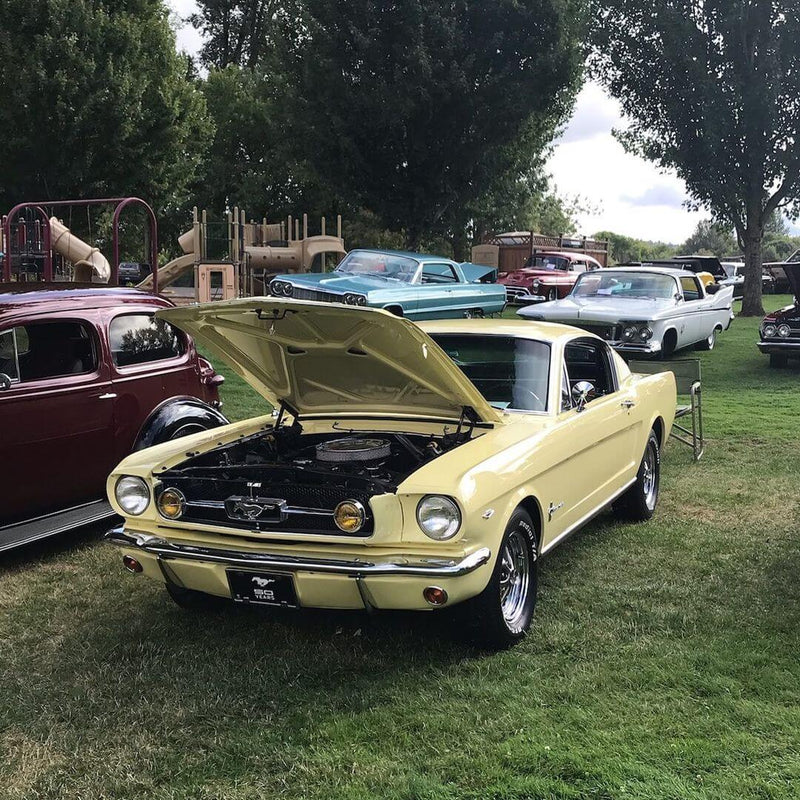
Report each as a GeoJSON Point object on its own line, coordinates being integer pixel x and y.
{"type": "Point", "coordinates": [711, 90]}
{"type": "Point", "coordinates": [411, 108]}
{"type": "Point", "coordinates": [238, 32]}
{"type": "Point", "coordinates": [623, 249]}
{"type": "Point", "coordinates": [95, 101]}
{"type": "Point", "coordinates": [253, 161]}
{"type": "Point", "coordinates": [710, 238]}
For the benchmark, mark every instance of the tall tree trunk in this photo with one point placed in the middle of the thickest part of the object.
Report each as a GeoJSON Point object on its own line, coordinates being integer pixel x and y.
{"type": "Point", "coordinates": [751, 301]}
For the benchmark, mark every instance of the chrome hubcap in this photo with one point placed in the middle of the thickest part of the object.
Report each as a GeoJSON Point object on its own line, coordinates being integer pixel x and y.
{"type": "Point", "coordinates": [515, 578]}
{"type": "Point", "coordinates": [650, 477]}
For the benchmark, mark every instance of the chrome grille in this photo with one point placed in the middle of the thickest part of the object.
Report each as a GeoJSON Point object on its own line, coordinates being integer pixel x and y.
{"type": "Point", "coordinates": [300, 293]}
{"type": "Point", "coordinates": [610, 333]}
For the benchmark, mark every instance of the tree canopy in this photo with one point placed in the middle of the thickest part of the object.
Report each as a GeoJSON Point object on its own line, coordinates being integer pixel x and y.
{"type": "Point", "coordinates": [96, 101]}
{"type": "Point", "coordinates": [416, 109]}
{"type": "Point", "coordinates": [712, 91]}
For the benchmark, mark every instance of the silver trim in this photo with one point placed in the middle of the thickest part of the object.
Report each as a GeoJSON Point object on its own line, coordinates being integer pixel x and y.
{"type": "Point", "coordinates": [355, 568]}
{"type": "Point", "coordinates": [586, 517]}
{"type": "Point", "coordinates": [219, 505]}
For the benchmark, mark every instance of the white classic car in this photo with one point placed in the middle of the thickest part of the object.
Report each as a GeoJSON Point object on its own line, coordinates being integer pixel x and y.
{"type": "Point", "coordinates": [643, 311]}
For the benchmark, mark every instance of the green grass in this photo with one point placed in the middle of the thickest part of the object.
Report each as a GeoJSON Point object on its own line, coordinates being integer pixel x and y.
{"type": "Point", "coordinates": [663, 662]}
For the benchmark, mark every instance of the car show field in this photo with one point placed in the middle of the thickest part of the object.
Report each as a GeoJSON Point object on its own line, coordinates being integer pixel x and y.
{"type": "Point", "coordinates": [661, 663]}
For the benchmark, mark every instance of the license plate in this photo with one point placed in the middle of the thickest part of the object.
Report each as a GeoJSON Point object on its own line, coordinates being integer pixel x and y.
{"type": "Point", "coordinates": [263, 588]}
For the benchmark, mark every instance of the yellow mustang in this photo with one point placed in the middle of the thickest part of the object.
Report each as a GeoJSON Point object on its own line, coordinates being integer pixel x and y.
{"type": "Point", "coordinates": [403, 466]}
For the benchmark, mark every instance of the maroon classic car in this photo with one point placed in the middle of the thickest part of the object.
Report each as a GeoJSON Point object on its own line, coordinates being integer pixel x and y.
{"type": "Point", "coordinates": [780, 330]}
{"type": "Point", "coordinates": [546, 276]}
{"type": "Point", "coordinates": [87, 376]}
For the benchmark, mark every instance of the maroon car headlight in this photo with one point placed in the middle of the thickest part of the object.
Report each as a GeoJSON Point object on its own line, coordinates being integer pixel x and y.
{"type": "Point", "coordinates": [535, 284]}
{"type": "Point", "coordinates": [132, 495]}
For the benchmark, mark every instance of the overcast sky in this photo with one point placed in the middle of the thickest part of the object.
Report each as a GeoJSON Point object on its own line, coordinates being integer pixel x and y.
{"type": "Point", "coordinates": [626, 194]}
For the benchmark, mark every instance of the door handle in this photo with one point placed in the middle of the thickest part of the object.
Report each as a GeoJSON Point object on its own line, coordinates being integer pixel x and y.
{"type": "Point", "coordinates": [629, 404]}
{"type": "Point", "coordinates": [107, 396]}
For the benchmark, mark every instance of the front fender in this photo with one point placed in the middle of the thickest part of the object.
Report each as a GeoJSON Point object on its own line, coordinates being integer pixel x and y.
{"type": "Point", "coordinates": [166, 420]}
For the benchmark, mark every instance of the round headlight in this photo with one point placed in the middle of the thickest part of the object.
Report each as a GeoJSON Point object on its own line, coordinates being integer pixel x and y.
{"type": "Point", "coordinates": [361, 300]}
{"type": "Point", "coordinates": [350, 299]}
{"type": "Point", "coordinates": [288, 289]}
{"type": "Point", "coordinates": [770, 330]}
{"type": "Point", "coordinates": [349, 516]}
{"type": "Point", "coordinates": [438, 517]}
{"type": "Point", "coordinates": [784, 330]}
{"type": "Point", "coordinates": [132, 495]}
{"type": "Point", "coordinates": [535, 284]}
{"type": "Point", "coordinates": [645, 333]}
{"type": "Point", "coordinates": [276, 288]}
{"type": "Point", "coordinates": [629, 332]}
{"type": "Point", "coordinates": [171, 504]}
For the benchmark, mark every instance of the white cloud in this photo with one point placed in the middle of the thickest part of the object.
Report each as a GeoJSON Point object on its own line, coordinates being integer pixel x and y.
{"type": "Point", "coordinates": [627, 194]}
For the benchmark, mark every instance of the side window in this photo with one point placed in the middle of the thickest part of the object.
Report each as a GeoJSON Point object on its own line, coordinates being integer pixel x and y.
{"type": "Point", "coordinates": [8, 354]}
{"type": "Point", "coordinates": [590, 360]}
{"type": "Point", "coordinates": [691, 288]}
{"type": "Point", "coordinates": [438, 273]}
{"type": "Point", "coordinates": [44, 350]}
{"type": "Point", "coordinates": [141, 338]}
{"type": "Point", "coordinates": [578, 266]}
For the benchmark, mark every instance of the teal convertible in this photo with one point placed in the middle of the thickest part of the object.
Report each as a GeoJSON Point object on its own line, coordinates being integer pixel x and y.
{"type": "Point", "coordinates": [407, 284]}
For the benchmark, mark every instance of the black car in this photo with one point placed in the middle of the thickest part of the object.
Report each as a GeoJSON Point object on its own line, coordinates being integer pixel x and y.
{"type": "Point", "coordinates": [780, 330]}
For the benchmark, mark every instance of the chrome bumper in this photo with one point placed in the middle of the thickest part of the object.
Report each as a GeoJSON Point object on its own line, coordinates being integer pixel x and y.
{"type": "Point", "coordinates": [773, 346]}
{"type": "Point", "coordinates": [649, 349]}
{"type": "Point", "coordinates": [354, 568]}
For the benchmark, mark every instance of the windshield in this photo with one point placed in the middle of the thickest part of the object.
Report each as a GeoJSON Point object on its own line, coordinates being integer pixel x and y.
{"type": "Point", "coordinates": [508, 371]}
{"type": "Point", "coordinates": [382, 265]}
{"type": "Point", "coordinates": [605, 283]}
{"type": "Point", "coordinates": [547, 262]}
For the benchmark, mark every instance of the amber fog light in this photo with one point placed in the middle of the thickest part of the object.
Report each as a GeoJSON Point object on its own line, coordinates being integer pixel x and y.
{"type": "Point", "coordinates": [349, 516]}
{"type": "Point", "coordinates": [434, 595]}
{"type": "Point", "coordinates": [131, 564]}
{"type": "Point", "coordinates": [171, 504]}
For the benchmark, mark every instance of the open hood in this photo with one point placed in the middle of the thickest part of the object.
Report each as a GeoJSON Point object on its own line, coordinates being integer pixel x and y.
{"type": "Point", "coordinates": [329, 360]}
{"type": "Point", "coordinates": [792, 271]}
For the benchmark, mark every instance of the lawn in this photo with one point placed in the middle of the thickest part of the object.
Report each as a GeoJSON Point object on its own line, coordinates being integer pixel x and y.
{"type": "Point", "coordinates": [663, 662]}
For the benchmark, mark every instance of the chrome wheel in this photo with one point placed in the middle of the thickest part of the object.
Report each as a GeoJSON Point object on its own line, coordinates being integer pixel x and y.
{"type": "Point", "coordinates": [650, 476]}
{"type": "Point", "coordinates": [712, 339]}
{"type": "Point", "coordinates": [515, 577]}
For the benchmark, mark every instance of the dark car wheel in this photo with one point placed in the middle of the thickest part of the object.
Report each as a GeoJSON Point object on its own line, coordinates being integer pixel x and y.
{"type": "Point", "coordinates": [707, 344]}
{"type": "Point", "coordinates": [192, 600]}
{"type": "Point", "coordinates": [639, 502]}
{"type": "Point", "coordinates": [501, 614]}
{"type": "Point", "coordinates": [778, 360]}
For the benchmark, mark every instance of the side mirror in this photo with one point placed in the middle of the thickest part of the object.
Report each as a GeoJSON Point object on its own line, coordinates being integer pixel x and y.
{"type": "Point", "coordinates": [581, 394]}
{"type": "Point", "coordinates": [678, 297]}
{"type": "Point", "coordinates": [712, 288]}
{"type": "Point", "coordinates": [5, 382]}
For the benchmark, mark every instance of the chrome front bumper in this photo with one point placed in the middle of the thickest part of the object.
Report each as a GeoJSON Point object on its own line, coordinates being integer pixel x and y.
{"type": "Point", "coordinates": [354, 568]}
{"type": "Point", "coordinates": [775, 346]}
{"type": "Point", "coordinates": [649, 349]}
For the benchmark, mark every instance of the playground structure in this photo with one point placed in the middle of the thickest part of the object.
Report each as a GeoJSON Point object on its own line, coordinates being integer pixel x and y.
{"type": "Point", "coordinates": [227, 259]}
{"type": "Point", "coordinates": [37, 247]}
{"type": "Point", "coordinates": [236, 258]}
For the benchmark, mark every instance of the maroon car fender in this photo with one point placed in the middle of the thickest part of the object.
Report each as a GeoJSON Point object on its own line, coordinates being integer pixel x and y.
{"type": "Point", "coordinates": [176, 417]}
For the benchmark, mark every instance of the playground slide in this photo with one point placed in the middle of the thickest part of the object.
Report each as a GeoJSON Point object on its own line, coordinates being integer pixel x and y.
{"type": "Point", "coordinates": [88, 262]}
{"type": "Point", "coordinates": [172, 270]}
